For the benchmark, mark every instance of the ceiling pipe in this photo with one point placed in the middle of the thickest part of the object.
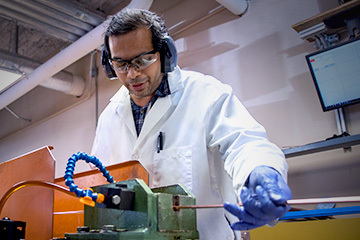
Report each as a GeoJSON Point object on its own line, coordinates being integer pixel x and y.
{"type": "Point", "coordinates": [238, 7]}
{"type": "Point", "coordinates": [31, 23]}
{"type": "Point", "coordinates": [66, 82]}
{"type": "Point", "coordinates": [81, 14]}
{"type": "Point", "coordinates": [51, 12]}
{"type": "Point", "coordinates": [44, 19]}
{"type": "Point", "coordinates": [63, 59]}
{"type": "Point", "coordinates": [63, 81]}
{"type": "Point", "coordinates": [140, 4]}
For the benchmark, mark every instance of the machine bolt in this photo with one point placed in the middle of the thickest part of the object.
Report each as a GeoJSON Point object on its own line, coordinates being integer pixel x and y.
{"type": "Point", "coordinates": [116, 199]}
{"type": "Point", "coordinates": [83, 229]}
{"type": "Point", "coordinates": [108, 228]}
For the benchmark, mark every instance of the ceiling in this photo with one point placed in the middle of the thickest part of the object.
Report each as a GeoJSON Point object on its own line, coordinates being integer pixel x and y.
{"type": "Point", "coordinates": [34, 31]}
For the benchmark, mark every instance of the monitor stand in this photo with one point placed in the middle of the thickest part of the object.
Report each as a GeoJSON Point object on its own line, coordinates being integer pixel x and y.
{"type": "Point", "coordinates": [341, 126]}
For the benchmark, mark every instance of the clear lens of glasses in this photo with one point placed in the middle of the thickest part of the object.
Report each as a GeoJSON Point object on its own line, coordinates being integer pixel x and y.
{"type": "Point", "coordinates": [139, 63]}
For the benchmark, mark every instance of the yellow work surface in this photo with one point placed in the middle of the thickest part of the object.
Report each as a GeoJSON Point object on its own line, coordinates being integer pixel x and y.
{"type": "Point", "coordinates": [344, 229]}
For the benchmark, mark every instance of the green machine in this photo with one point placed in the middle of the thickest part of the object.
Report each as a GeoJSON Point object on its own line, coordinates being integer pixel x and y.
{"type": "Point", "coordinates": [133, 211]}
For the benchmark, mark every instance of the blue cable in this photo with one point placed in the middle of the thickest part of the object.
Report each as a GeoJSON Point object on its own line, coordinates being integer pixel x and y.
{"type": "Point", "coordinates": [69, 173]}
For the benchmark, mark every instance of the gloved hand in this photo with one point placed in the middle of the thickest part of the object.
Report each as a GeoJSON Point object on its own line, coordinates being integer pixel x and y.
{"type": "Point", "coordinates": [263, 199]}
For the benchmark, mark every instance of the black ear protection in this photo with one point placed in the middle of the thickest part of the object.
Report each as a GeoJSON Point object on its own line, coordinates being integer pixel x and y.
{"type": "Point", "coordinates": [168, 56]}
{"type": "Point", "coordinates": [110, 73]}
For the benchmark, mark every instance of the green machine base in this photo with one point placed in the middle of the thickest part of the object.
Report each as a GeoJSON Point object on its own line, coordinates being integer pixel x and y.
{"type": "Point", "coordinates": [149, 213]}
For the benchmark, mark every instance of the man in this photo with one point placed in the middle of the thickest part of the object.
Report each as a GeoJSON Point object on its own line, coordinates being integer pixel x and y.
{"type": "Point", "coordinates": [189, 128]}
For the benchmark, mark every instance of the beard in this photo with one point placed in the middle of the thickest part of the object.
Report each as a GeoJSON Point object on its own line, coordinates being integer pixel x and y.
{"type": "Point", "coordinates": [142, 88]}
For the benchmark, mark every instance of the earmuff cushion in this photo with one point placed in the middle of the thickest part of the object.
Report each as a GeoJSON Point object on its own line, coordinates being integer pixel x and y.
{"type": "Point", "coordinates": [110, 73]}
{"type": "Point", "coordinates": [168, 55]}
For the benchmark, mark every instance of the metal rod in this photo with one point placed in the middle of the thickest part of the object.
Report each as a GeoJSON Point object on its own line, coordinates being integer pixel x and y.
{"type": "Point", "coordinates": [17, 116]}
{"type": "Point", "coordinates": [338, 121]}
{"type": "Point", "coordinates": [351, 199]}
{"type": "Point", "coordinates": [211, 13]}
{"type": "Point", "coordinates": [342, 120]}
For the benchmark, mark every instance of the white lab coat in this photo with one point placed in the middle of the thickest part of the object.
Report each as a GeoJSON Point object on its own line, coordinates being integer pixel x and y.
{"type": "Point", "coordinates": [206, 131]}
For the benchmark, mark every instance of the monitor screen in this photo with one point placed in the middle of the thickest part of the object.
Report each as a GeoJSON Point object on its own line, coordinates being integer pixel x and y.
{"type": "Point", "coordinates": [336, 74]}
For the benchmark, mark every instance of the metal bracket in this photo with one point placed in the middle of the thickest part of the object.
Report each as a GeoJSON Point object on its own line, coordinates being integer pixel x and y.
{"type": "Point", "coordinates": [324, 41]}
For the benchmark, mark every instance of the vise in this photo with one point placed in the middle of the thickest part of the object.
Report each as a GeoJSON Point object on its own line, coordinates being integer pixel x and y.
{"type": "Point", "coordinates": [133, 211]}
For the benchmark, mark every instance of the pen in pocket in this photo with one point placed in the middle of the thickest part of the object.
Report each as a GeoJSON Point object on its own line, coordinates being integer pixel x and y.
{"type": "Point", "coordinates": [160, 142]}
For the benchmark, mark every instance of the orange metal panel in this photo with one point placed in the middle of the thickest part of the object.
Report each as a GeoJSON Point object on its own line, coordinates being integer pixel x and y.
{"type": "Point", "coordinates": [68, 211]}
{"type": "Point", "coordinates": [33, 205]}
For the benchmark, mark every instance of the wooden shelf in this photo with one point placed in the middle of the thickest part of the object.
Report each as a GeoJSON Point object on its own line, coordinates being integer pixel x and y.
{"type": "Point", "coordinates": [318, 19]}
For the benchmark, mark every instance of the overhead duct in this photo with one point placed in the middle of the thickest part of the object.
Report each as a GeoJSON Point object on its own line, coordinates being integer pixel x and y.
{"type": "Point", "coordinates": [66, 82]}
{"type": "Point", "coordinates": [238, 7]}
{"type": "Point", "coordinates": [62, 81]}
{"type": "Point", "coordinates": [63, 59]}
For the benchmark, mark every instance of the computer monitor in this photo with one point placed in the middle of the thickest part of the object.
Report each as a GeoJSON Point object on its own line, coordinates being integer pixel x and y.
{"type": "Point", "coordinates": [336, 74]}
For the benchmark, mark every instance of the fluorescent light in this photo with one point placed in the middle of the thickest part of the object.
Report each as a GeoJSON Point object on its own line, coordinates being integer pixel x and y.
{"type": "Point", "coordinates": [8, 78]}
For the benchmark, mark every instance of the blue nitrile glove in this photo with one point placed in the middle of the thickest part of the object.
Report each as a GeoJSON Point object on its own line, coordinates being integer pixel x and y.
{"type": "Point", "coordinates": [263, 199]}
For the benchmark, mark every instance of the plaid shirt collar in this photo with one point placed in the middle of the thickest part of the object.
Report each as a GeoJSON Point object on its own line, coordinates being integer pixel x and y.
{"type": "Point", "coordinates": [163, 90]}
{"type": "Point", "coordinates": [139, 113]}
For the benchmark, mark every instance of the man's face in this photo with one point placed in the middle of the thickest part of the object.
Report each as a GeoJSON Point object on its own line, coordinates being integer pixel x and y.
{"type": "Point", "coordinates": [140, 83]}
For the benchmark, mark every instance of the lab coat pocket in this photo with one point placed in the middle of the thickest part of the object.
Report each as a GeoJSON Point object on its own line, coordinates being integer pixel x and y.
{"type": "Point", "coordinates": [172, 166]}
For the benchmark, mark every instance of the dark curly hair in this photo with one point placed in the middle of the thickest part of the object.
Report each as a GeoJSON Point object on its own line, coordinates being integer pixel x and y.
{"type": "Point", "coordinates": [128, 20]}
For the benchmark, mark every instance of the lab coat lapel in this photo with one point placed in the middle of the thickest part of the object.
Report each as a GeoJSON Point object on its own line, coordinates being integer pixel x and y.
{"type": "Point", "coordinates": [161, 106]}
{"type": "Point", "coordinates": [125, 112]}
{"type": "Point", "coordinates": [155, 114]}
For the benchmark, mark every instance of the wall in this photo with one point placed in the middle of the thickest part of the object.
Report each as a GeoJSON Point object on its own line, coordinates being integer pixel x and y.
{"type": "Point", "coordinates": [70, 130]}
{"type": "Point", "coordinates": [262, 58]}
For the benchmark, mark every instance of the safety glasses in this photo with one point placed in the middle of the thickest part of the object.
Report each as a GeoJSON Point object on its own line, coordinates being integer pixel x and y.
{"type": "Point", "coordinates": [140, 62]}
